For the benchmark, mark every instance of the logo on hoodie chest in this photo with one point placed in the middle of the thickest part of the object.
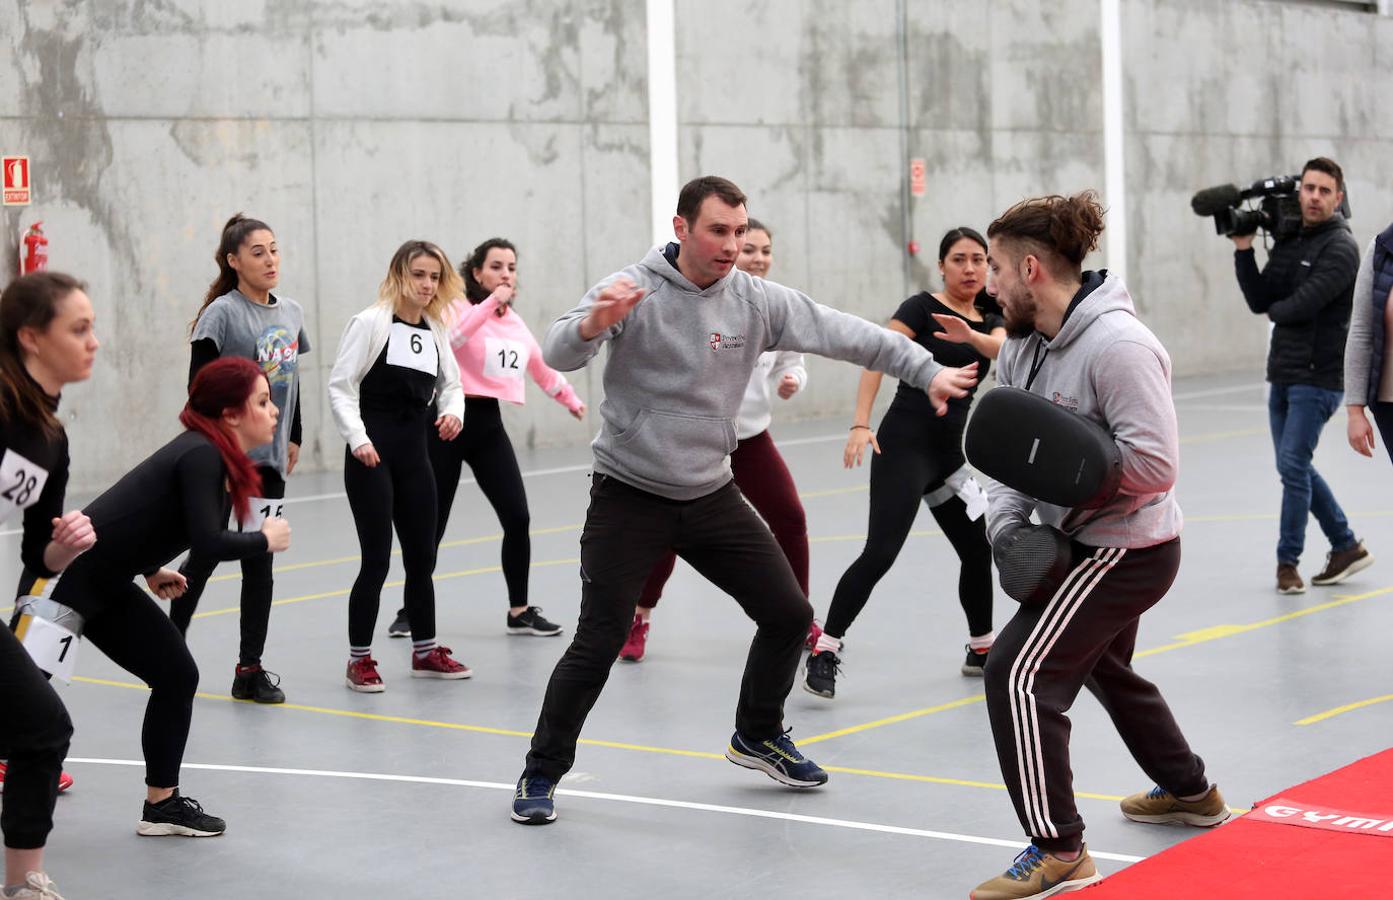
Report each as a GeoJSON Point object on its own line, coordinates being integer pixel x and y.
{"type": "Point", "coordinates": [1071, 403]}
{"type": "Point", "coordinates": [718, 341]}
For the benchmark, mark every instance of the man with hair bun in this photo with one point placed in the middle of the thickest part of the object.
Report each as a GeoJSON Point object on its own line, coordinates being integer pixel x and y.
{"type": "Point", "coordinates": [1073, 337]}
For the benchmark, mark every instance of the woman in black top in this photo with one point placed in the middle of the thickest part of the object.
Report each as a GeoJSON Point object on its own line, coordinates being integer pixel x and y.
{"type": "Point", "coordinates": [46, 341]}
{"type": "Point", "coordinates": [176, 500]}
{"type": "Point", "coordinates": [923, 459]}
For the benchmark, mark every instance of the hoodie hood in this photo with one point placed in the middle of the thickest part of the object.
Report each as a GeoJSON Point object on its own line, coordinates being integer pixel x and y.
{"type": "Point", "coordinates": [661, 263]}
{"type": "Point", "coordinates": [1099, 294]}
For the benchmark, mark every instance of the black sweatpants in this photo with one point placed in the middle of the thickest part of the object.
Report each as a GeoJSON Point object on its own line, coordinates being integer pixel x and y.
{"type": "Point", "coordinates": [400, 491]}
{"type": "Point", "coordinates": [1084, 635]}
{"type": "Point", "coordinates": [483, 444]}
{"type": "Point", "coordinates": [917, 454]}
{"type": "Point", "coordinates": [34, 735]}
{"type": "Point", "coordinates": [626, 531]}
{"type": "Point", "coordinates": [134, 632]}
{"type": "Point", "coordinates": [257, 585]}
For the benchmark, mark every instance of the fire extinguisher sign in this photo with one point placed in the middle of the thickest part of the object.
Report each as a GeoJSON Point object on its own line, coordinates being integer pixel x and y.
{"type": "Point", "coordinates": [16, 171]}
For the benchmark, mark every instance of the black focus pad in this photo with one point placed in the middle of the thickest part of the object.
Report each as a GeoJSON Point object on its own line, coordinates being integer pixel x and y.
{"type": "Point", "coordinates": [1032, 562]}
{"type": "Point", "coordinates": [1042, 449]}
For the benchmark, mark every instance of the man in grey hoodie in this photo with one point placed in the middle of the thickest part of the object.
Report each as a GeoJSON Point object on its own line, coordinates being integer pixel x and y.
{"type": "Point", "coordinates": [674, 380]}
{"type": "Point", "coordinates": [1074, 337]}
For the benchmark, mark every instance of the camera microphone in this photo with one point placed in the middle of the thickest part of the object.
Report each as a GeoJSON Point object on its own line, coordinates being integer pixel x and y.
{"type": "Point", "coordinates": [1212, 201]}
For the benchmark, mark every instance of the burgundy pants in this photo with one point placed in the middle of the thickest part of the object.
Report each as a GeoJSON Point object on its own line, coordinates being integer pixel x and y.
{"type": "Point", "coordinates": [764, 479]}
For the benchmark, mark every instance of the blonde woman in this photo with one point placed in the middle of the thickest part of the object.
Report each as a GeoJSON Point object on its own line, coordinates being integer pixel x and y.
{"type": "Point", "coordinates": [393, 371]}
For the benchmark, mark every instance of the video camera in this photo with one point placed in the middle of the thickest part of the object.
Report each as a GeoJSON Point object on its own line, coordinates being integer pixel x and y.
{"type": "Point", "coordinates": [1278, 212]}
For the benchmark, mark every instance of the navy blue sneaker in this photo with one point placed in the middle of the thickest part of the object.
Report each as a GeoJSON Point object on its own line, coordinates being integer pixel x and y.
{"type": "Point", "coordinates": [532, 802]}
{"type": "Point", "coordinates": [777, 758]}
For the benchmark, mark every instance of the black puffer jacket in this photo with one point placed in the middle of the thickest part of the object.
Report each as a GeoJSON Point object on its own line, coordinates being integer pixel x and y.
{"type": "Point", "coordinates": [1306, 290]}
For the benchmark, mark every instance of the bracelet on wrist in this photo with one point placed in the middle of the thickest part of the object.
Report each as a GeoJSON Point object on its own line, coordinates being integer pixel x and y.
{"type": "Point", "coordinates": [854, 427]}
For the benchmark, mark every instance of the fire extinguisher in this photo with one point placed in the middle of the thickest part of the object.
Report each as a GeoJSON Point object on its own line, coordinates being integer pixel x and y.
{"type": "Point", "coordinates": [35, 255]}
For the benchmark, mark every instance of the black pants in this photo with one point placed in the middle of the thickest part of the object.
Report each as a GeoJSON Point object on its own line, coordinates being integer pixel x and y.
{"type": "Point", "coordinates": [918, 453]}
{"type": "Point", "coordinates": [34, 735]}
{"type": "Point", "coordinates": [1084, 635]}
{"type": "Point", "coordinates": [128, 626]}
{"type": "Point", "coordinates": [400, 491]}
{"type": "Point", "coordinates": [628, 530]}
{"type": "Point", "coordinates": [484, 445]}
{"type": "Point", "coordinates": [257, 585]}
{"type": "Point", "coordinates": [1383, 418]}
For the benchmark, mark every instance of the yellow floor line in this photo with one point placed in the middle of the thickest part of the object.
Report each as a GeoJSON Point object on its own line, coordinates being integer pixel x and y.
{"type": "Point", "coordinates": [891, 720]}
{"type": "Point", "coordinates": [1341, 710]}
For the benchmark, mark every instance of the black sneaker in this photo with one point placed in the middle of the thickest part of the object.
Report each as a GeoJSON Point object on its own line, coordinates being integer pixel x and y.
{"type": "Point", "coordinates": [178, 815]}
{"type": "Point", "coordinates": [777, 758]}
{"type": "Point", "coordinates": [531, 622]}
{"type": "Point", "coordinates": [533, 801]}
{"type": "Point", "coordinates": [821, 677]}
{"type": "Point", "coordinates": [975, 663]}
{"type": "Point", "coordinates": [255, 684]}
{"type": "Point", "coordinates": [399, 627]}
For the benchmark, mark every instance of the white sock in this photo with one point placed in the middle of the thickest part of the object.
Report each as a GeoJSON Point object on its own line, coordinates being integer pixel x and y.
{"type": "Point", "coordinates": [359, 652]}
{"type": "Point", "coordinates": [1195, 798]}
{"type": "Point", "coordinates": [982, 641]}
{"type": "Point", "coordinates": [826, 642]}
{"type": "Point", "coordinates": [422, 649]}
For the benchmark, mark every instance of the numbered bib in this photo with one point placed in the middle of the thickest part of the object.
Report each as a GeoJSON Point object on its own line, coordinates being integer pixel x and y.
{"type": "Point", "coordinates": [52, 646]}
{"type": "Point", "coordinates": [413, 348]}
{"type": "Point", "coordinates": [21, 483]}
{"type": "Point", "coordinates": [504, 358]}
{"type": "Point", "coordinates": [262, 508]}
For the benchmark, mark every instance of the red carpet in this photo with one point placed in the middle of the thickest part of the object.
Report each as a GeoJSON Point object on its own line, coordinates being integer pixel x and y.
{"type": "Point", "coordinates": [1331, 837]}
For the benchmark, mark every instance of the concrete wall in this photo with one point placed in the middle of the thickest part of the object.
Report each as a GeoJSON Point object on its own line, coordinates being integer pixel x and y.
{"type": "Point", "coordinates": [351, 125]}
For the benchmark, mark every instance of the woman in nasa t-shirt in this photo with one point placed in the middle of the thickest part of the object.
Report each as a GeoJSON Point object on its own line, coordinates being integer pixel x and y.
{"type": "Point", "coordinates": [394, 378]}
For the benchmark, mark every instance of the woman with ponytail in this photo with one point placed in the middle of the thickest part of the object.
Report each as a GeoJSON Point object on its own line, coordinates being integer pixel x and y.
{"type": "Point", "coordinates": [241, 317]}
{"type": "Point", "coordinates": [395, 377]}
{"type": "Point", "coordinates": [176, 500]}
{"type": "Point", "coordinates": [46, 341]}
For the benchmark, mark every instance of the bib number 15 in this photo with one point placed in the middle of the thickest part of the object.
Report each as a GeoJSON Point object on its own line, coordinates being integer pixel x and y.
{"type": "Point", "coordinates": [262, 509]}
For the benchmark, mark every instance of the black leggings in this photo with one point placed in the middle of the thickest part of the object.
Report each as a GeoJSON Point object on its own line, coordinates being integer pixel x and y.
{"type": "Point", "coordinates": [257, 585]}
{"type": "Point", "coordinates": [134, 632]}
{"type": "Point", "coordinates": [400, 491]}
{"type": "Point", "coordinates": [918, 452]}
{"type": "Point", "coordinates": [484, 445]}
{"type": "Point", "coordinates": [34, 735]}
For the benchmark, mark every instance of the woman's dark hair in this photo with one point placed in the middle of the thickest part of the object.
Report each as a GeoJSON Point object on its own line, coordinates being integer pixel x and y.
{"type": "Point", "coordinates": [757, 225]}
{"type": "Point", "coordinates": [30, 301]}
{"type": "Point", "coordinates": [473, 291]}
{"type": "Point", "coordinates": [956, 235]}
{"type": "Point", "coordinates": [234, 234]}
{"type": "Point", "coordinates": [221, 385]}
{"type": "Point", "coordinates": [1065, 228]}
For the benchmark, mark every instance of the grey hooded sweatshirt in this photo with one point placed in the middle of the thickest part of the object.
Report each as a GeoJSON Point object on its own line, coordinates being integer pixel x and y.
{"type": "Point", "coordinates": [1105, 364]}
{"type": "Point", "coordinates": [680, 361]}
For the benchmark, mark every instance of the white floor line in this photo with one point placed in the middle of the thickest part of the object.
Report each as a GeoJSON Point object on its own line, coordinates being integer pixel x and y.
{"type": "Point", "coordinates": [621, 798]}
{"type": "Point", "coordinates": [1215, 392]}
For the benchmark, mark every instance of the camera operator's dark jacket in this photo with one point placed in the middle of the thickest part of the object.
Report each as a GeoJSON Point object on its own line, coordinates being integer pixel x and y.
{"type": "Point", "coordinates": [1306, 290]}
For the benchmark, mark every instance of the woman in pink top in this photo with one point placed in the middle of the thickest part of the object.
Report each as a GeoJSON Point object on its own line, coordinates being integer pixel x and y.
{"type": "Point", "coordinates": [494, 349]}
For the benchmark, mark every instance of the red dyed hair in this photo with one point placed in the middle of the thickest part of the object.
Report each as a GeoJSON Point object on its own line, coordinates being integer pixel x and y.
{"type": "Point", "coordinates": [222, 385]}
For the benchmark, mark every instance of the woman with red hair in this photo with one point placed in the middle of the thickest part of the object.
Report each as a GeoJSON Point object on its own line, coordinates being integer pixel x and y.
{"type": "Point", "coordinates": [176, 500]}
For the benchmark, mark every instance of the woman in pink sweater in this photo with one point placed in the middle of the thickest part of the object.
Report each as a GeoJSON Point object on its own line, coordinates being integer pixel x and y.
{"type": "Point", "coordinates": [494, 349]}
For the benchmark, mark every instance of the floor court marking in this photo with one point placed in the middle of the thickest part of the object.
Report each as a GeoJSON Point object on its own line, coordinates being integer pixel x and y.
{"type": "Point", "coordinates": [615, 798]}
{"type": "Point", "coordinates": [1341, 710]}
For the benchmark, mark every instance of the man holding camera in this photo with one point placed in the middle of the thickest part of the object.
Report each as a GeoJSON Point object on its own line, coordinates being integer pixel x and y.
{"type": "Point", "coordinates": [1305, 290]}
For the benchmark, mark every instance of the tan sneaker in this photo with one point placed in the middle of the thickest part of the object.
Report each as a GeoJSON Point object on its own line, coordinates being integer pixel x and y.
{"type": "Point", "coordinates": [1160, 807]}
{"type": "Point", "coordinates": [1289, 580]}
{"type": "Point", "coordinates": [1039, 874]}
{"type": "Point", "coordinates": [1341, 564]}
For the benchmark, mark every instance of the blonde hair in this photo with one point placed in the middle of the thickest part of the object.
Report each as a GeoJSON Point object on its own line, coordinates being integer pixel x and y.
{"type": "Point", "coordinates": [396, 285]}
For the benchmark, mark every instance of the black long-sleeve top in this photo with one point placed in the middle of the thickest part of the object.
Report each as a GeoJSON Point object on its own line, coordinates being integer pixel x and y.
{"type": "Point", "coordinates": [175, 500]}
{"type": "Point", "coordinates": [49, 454]}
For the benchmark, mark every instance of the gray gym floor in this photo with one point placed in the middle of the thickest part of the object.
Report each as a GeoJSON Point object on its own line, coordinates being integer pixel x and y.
{"type": "Point", "coordinates": [406, 793]}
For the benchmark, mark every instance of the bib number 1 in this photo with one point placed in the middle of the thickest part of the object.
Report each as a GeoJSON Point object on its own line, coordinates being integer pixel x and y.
{"type": "Point", "coordinates": [52, 647]}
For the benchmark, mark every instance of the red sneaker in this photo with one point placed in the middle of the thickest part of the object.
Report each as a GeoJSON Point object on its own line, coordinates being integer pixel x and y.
{"type": "Point", "coordinates": [438, 664]}
{"type": "Point", "coordinates": [65, 780]}
{"type": "Point", "coordinates": [814, 632]}
{"type": "Point", "coordinates": [633, 648]}
{"type": "Point", "coordinates": [363, 677]}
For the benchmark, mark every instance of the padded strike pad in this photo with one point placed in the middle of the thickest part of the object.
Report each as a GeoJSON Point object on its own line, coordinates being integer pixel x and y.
{"type": "Point", "coordinates": [1042, 449]}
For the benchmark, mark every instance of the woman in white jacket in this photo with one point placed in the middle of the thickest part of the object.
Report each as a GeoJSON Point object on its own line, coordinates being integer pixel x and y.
{"type": "Point", "coordinates": [759, 469]}
{"type": "Point", "coordinates": [394, 369]}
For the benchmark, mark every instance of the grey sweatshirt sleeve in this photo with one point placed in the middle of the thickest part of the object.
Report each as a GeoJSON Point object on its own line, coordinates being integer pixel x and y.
{"type": "Point", "coordinates": [798, 323]}
{"type": "Point", "coordinates": [1359, 344]}
{"type": "Point", "coordinates": [1134, 395]}
{"type": "Point", "coordinates": [563, 348]}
